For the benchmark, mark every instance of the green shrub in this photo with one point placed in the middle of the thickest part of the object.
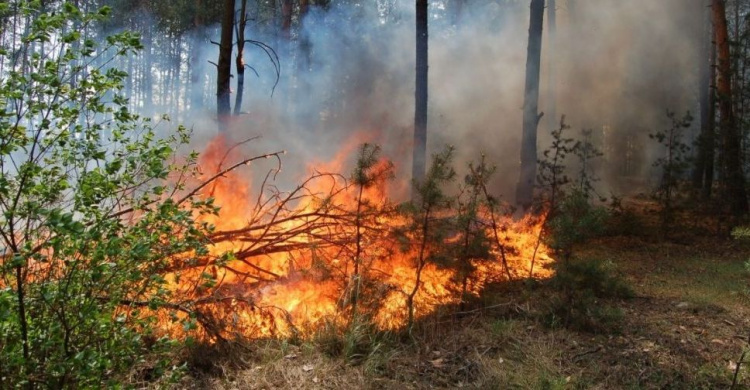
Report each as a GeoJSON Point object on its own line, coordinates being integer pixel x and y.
{"type": "Point", "coordinates": [87, 230]}
{"type": "Point", "coordinates": [581, 291]}
{"type": "Point", "coordinates": [623, 221]}
{"type": "Point", "coordinates": [575, 221]}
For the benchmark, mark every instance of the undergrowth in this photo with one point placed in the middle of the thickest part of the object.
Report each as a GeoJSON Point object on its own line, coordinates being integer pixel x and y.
{"type": "Point", "coordinates": [582, 296]}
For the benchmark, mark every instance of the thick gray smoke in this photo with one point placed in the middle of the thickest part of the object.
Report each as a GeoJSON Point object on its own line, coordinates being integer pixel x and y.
{"type": "Point", "coordinates": [620, 65]}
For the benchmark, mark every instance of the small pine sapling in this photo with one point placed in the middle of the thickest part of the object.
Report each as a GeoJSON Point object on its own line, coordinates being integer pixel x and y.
{"type": "Point", "coordinates": [473, 244]}
{"type": "Point", "coordinates": [479, 175]}
{"type": "Point", "coordinates": [587, 153]}
{"type": "Point", "coordinates": [673, 164]}
{"type": "Point", "coordinates": [424, 228]}
{"type": "Point", "coordinates": [552, 177]}
{"type": "Point", "coordinates": [369, 171]}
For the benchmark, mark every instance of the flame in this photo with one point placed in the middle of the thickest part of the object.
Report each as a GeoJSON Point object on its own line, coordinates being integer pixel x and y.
{"type": "Point", "coordinates": [291, 264]}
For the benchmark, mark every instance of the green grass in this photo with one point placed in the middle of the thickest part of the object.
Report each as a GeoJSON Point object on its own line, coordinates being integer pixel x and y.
{"type": "Point", "coordinates": [702, 280]}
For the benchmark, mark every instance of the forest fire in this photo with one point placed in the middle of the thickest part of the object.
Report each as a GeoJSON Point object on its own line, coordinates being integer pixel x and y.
{"type": "Point", "coordinates": [284, 263]}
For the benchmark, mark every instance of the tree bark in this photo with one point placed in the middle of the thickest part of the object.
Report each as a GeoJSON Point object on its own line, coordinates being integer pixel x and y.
{"type": "Point", "coordinates": [531, 116]}
{"type": "Point", "coordinates": [303, 63]}
{"type": "Point", "coordinates": [552, 50]}
{"type": "Point", "coordinates": [704, 166]}
{"type": "Point", "coordinates": [240, 60]}
{"type": "Point", "coordinates": [420, 107]}
{"type": "Point", "coordinates": [733, 187]}
{"type": "Point", "coordinates": [223, 105]}
{"type": "Point", "coordinates": [196, 55]}
{"type": "Point", "coordinates": [286, 18]}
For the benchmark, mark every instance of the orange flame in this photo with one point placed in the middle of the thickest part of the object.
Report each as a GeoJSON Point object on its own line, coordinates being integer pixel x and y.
{"type": "Point", "coordinates": [290, 272]}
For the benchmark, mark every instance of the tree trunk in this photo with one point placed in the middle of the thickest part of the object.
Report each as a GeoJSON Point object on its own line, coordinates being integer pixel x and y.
{"type": "Point", "coordinates": [196, 55]}
{"type": "Point", "coordinates": [420, 110]}
{"type": "Point", "coordinates": [531, 116]}
{"type": "Point", "coordinates": [223, 105]}
{"type": "Point", "coordinates": [704, 167]}
{"type": "Point", "coordinates": [552, 50]}
{"type": "Point", "coordinates": [287, 9]}
{"type": "Point", "coordinates": [240, 60]}
{"type": "Point", "coordinates": [303, 62]}
{"type": "Point", "coordinates": [148, 68]}
{"type": "Point", "coordinates": [286, 18]}
{"type": "Point", "coordinates": [734, 182]}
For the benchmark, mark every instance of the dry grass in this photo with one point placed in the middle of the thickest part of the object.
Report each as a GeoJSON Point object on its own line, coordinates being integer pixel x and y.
{"type": "Point", "coordinates": [683, 331]}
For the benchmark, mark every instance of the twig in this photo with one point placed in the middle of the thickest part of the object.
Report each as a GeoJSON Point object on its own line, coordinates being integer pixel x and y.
{"type": "Point", "coordinates": [225, 171]}
{"type": "Point", "coordinates": [580, 355]}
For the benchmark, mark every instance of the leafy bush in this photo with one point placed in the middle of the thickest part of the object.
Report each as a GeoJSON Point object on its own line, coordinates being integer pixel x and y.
{"type": "Point", "coordinates": [87, 224]}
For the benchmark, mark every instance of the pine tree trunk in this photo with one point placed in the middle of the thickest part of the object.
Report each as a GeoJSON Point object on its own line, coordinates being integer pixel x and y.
{"type": "Point", "coordinates": [734, 181]}
{"type": "Point", "coordinates": [197, 39]}
{"type": "Point", "coordinates": [303, 63]}
{"type": "Point", "coordinates": [531, 116]}
{"type": "Point", "coordinates": [552, 34]}
{"type": "Point", "coordinates": [286, 18]}
{"type": "Point", "coordinates": [703, 172]}
{"type": "Point", "coordinates": [287, 10]}
{"type": "Point", "coordinates": [708, 178]}
{"type": "Point", "coordinates": [420, 110]}
{"type": "Point", "coordinates": [223, 105]}
{"type": "Point", "coordinates": [240, 60]}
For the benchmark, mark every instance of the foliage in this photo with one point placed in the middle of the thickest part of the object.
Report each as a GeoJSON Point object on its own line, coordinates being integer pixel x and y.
{"type": "Point", "coordinates": [552, 178]}
{"type": "Point", "coordinates": [576, 221]}
{"type": "Point", "coordinates": [571, 218]}
{"type": "Point", "coordinates": [586, 153]}
{"type": "Point", "coordinates": [673, 164]}
{"type": "Point", "coordinates": [426, 229]}
{"type": "Point", "coordinates": [479, 175]}
{"type": "Point", "coordinates": [87, 223]}
{"type": "Point", "coordinates": [582, 287]}
{"type": "Point", "coordinates": [742, 233]}
{"type": "Point", "coordinates": [472, 244]}
{"type": "Point", "coordinates": [622, 220]}
{"type": "Point", "coordinates": [369, 171]}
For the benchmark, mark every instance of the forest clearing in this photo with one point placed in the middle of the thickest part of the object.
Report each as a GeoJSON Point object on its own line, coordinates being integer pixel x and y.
{"type": "Point", "coordinates": [337, 194]}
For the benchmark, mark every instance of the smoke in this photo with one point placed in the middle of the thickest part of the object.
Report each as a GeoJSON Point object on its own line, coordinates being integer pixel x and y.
{"type": "Point", "coordinates": [619, 66]}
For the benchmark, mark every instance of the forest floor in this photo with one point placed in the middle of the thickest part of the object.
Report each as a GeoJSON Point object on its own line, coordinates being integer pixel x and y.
{"type": "Point", "coordinates": [686, 327]}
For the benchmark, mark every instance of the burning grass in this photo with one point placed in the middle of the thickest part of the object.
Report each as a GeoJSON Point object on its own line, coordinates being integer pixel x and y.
{"type": "Point", "coordinates": [283, 263]}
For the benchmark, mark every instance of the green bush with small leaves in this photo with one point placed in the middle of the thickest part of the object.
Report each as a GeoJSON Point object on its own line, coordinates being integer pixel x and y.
{"type": "Point", "coordinates": [88, 223]}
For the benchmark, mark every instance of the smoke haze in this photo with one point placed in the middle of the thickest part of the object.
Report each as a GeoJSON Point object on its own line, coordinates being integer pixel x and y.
{"type": "Point", "coordinates": [619, 66]}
